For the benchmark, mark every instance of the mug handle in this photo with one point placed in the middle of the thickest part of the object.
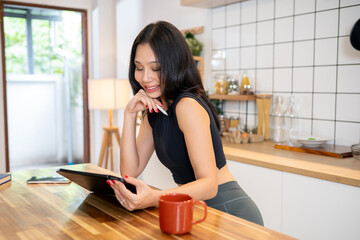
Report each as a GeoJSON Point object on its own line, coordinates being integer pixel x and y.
{"type": "Point", "coordinates": [205, 210]}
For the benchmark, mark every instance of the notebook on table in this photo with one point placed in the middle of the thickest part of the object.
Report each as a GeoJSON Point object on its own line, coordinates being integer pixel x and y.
{"type": "Point", "coordinates": [94, 182]}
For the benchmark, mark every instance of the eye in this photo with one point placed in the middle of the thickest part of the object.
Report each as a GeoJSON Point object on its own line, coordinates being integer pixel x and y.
{"type": "Point", "coordinates": [156, 69]}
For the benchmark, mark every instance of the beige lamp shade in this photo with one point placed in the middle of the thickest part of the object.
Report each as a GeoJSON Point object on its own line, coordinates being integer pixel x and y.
{"type": "Point", "coordinates": [108, 94]}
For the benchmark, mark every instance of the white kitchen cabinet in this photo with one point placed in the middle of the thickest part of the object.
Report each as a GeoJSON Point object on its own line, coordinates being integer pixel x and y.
{"type": "Point", "coordinates": [264, 186]}
{"type": "Point", "coordinates": [302, 207]}
{"type": "Point", "coordinates": [319, 209]}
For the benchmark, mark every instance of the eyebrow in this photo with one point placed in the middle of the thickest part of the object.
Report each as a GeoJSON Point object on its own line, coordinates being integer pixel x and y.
{"type": "Point", "coordinates": [136, 61]}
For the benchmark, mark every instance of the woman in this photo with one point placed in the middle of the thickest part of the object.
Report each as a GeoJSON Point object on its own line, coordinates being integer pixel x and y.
{"type": "Point", "coordinates": [163, 74]}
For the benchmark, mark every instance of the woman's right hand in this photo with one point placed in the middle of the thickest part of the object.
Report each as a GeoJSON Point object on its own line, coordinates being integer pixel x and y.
{"type": "Point", "coordinates": [141, 101]}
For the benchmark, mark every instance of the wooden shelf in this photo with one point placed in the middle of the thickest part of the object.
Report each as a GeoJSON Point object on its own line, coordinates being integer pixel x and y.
{"type": "Point", "coordinates": [232, 97]}
{"type": "Point", "coordinates": [195, 30]}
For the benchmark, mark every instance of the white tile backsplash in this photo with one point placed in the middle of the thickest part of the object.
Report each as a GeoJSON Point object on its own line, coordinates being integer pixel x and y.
{"type": "Point", "coordinates": [283, 55]}
{"type": "Point", "coordinates": [264, 56]}
{"type": "Point", "coordinates": [265, 10]}
{"type": "Point", "coordinates": [232, 58]}
{"type": "Point", "coordinates": [347, 133]}
{"type": "Point", "coordinates": [218, 60]}
{"type": "Point", "coordinates": [218, 17]}
{"type": "Point", "coordinates": [304, 101]}
{"type": "Point", "coordinates": [348, 17]}
{"type": "Point", "coordinates": [232, 106]}
{"type": "Point", "coordinates": [233, 14]}
{"type": "Point", "coordinates": [347, 54]}
{"type": "Point", "coordinates": [324, 106]}
{"type": "Point", "coordinates": [284, 8]}
{"type": "Point", "coordinates": [305, 128]}
{"type": "Point", "coordinates": [284, 29]}
{"type": "Point", "coordinates": [303, 79]}
{"type": "Point", "coordinates": [298, 47]}
{"type": "Point", "coordinates": [233, 37]}
{"type": "Point", "coordinates": [248, 34]}
{"type": "Point", "coordinates": [347, 107]}
{"type": "Point", "coordinates": [248, 11]}
{"type": "Point", "coordinates": [324, 129]}
{"type": "Point", "coordinates": [327, 24]}
{"type": "Point", "coordinates": [326, 4]}
{"type": "Point", "coordinates": [344, 3]}
{"type": "Point", "coordinates": [218, 38]}
{"type": "Point", "coordinates": [264, 80]}
{"type": "Point", "coordinates": [247, 57]}
{"type": "Point", "coordinates": [325, 79]}
{"type": "Point", "coordinates": [304, 53]}
{"type": "Point", "coordinates": [282, 79]}
{"type": "Point", "coordinates": [265, 32]}
{"type": "Point", "coordinates": [304, 27]}
{"type": "Point", "coordinates": [348, 79]}
{"type": "Point", "coordinates": [325, 51]}
{"type": "Point", "coordinates": [304, 6]}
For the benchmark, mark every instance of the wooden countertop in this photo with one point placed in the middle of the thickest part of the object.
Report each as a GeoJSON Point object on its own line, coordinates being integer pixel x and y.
{"type": "Point", "coordinates": [340, 170]}
{"type": "Point", "coordinates": [68, 211]}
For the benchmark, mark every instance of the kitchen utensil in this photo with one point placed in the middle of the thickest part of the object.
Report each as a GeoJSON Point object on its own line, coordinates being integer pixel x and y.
{"type": "Point", "coordinates": [355, 35]}
{"type": "Point", "coordinates": [329, 150]}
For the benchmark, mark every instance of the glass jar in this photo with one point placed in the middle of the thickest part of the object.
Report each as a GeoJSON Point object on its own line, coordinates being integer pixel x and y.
{"type": "Point", "coordinates": [290, 128]}
{"type": "Point", "coordinates": [276, 120]}
{"type": "Point", "coordinates": [222, 124]}
{"type": "Point", "coordinates": [247, 90]}
{"type": "Point", "coordinates": [233, 87]}
{"type": "Point", "coordinates": [221, 83]}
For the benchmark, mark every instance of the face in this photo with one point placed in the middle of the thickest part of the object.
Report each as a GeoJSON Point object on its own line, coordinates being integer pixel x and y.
{"type": "Point", "coordinates": [147, 70]}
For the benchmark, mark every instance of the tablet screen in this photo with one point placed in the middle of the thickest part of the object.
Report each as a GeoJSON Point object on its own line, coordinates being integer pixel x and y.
{"type": "Point", "coordinates": [94, 182]}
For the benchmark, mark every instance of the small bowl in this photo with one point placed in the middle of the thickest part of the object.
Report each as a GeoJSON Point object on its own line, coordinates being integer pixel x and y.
{"type": "Point", "coordinates": [312, 141]}
{"type": "Point", "coordinates": [355, 149]}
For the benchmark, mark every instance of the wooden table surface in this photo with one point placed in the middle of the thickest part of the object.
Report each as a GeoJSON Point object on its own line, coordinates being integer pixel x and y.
{"type": "Point", "coordinates": [340, 170]}
{"type": "Point", "coordinates": [67, 211]}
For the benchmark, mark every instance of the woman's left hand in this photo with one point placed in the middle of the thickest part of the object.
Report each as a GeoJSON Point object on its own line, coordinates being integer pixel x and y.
{"type": "Point", "coordinates": [144, 197]}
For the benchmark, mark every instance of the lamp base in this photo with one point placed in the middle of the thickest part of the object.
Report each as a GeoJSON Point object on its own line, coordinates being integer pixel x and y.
{"type": "Point", "coordinates": [106, 147]}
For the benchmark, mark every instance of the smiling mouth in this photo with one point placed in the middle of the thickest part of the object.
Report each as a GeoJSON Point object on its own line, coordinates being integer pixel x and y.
{"type": "Point", "coordinates": [152, 89]}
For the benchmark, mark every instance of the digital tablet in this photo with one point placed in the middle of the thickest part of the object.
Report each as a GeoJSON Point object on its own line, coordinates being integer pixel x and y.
{"type": "Point", "coordinates": [94, 182]}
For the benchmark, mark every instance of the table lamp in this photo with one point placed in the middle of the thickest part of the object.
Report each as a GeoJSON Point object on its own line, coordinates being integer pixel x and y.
{"type": "Point", "coordinates": [108, 94]}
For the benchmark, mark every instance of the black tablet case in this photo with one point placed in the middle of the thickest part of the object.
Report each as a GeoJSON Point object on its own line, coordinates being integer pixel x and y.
{"type": "Point", "coordinates": [93, 182]}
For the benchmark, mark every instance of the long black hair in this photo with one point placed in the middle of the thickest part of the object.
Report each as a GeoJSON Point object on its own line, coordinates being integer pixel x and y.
{"type": "Point", "coordinates": [178, 71]}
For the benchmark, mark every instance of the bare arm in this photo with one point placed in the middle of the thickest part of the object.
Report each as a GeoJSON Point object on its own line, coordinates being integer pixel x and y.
{"type": "Point", "coordinates": [194, 122]}
{"type": "Point", "coordinates": [136, 152]}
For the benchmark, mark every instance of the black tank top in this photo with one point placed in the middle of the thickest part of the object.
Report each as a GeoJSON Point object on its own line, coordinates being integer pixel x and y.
{"type": "Point", "coordinates": [170, 144]}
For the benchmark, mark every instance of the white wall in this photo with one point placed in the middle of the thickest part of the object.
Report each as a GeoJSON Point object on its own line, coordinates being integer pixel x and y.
{"type": "Point", "coordinates": [298, 48]}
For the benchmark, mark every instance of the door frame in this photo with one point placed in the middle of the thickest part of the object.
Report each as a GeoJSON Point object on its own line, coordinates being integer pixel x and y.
{"type": "Point", "coordinates": [85, 68]}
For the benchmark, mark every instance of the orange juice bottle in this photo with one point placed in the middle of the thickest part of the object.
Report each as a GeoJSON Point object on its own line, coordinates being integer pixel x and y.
{"type": "Point", "coordinates": [244, 82]}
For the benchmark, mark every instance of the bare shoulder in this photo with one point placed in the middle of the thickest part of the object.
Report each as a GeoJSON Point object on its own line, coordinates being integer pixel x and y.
{"type": "Point", "coordinates": [189, 111]}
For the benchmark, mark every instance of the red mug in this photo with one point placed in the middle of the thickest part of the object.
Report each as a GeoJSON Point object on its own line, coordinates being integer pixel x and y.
{"type": "Point", "coordinates": [176, 213]}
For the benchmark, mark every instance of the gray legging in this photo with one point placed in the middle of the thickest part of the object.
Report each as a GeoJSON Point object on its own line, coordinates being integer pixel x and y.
{"type": "Point", "coordinates": [232, 199]}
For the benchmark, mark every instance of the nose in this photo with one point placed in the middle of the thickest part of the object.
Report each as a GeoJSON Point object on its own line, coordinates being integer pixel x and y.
{"type": "Point", "coordinates": [146, 76]}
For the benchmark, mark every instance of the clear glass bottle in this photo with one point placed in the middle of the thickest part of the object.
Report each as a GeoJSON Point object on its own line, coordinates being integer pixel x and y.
{"type": "Point", "coordinates": [290, 128]}
{"type": "Point", "coordinates": [276, 120]}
